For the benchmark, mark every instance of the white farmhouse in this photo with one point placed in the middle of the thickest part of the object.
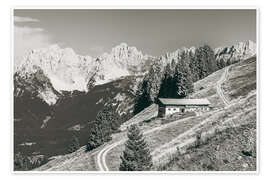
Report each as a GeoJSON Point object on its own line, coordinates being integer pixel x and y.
{"type": "Point", "coordinates": [168, 106]}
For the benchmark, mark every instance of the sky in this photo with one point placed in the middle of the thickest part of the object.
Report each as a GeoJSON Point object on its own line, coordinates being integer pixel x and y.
{"type": "Point", "coordinates": [154, 32]}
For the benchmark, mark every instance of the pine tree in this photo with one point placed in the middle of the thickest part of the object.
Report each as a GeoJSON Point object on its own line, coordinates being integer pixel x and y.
{"type": "Point", "coordinates": [136, 156]}
{"type": "Point", "coordinates": [166, 88]}
{"type": "Point", "coordinates": [194, 67]}
{"type": "Point", "coordinates": [74, 145]}
{"type": "Point", "coordinates": [183, 77]}
{"type": "Point", "coordinates": [100, 130]}
{"type": "Point", "coordinates": [205, 62]}
{"type": "Point", "coordinates": [141, 100]}
{"type": "Point", "coordinates": [210, 60]}
{"type": "Point", "coordinates": [148, 89]}
{"type": "Point", "coordinates": [91, 82]}
{"type": "Point", "coordinates": [153, 82]}
{"type": "Point", "coordinates": [221, 63]}
{"type": "Point", "coordinates": [228, 62]}
{"type": "Point", "coordinates": [112, 117]}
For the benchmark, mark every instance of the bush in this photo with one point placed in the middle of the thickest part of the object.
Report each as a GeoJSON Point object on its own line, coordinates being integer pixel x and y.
{"type": "Point", "coordinates": [26, 163]}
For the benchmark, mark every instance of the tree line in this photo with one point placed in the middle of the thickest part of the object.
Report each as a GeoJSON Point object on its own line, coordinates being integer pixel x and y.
{"type": "Point", "coordinates": [176, 79]}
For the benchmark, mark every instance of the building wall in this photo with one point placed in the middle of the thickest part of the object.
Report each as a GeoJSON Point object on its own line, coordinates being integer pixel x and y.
{"type": "Point", "coordinates": [172, 109]}
{"type": "Point", "coordinates": [168, 110]}
{"type": "Point", "coordinates": [197, 108]}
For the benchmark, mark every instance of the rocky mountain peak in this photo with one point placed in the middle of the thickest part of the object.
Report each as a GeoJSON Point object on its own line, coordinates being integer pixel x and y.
{"type": "Point", "coordinates": [123, 53]}
{"type": "Point", "coordinates": [237, 52]}
{"type": "Point", "coordinates": [65, 69]}
{"type": "Point", "coordinates": [68, 71]}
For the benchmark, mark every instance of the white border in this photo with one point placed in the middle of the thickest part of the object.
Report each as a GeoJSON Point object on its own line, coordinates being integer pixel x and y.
{"type": "Point", "coordinates": [150, 8]}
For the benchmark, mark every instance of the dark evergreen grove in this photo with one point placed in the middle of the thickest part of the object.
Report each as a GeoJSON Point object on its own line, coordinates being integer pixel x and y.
{"type": "Point", "coordinates": [74, 145]}
{"type": "Point", "coordinates": [136, 156]}
{"type": "Point", "coordinates": [148, 88]}
{"type": "Point", "coordinates": [141, 97]}
{"type": "Point", "coordinates": [168, 85]}
{"type": "Point", "coordinates": [101, 129]}
{"type": "Point", "coordinates": [176, 79]}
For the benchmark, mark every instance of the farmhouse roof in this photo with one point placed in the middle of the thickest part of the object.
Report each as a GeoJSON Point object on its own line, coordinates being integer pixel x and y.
{"type": "Point", "coordinates": [179, 102]}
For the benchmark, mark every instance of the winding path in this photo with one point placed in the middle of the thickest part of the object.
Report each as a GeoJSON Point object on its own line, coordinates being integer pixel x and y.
{"type": "Point", "coordinates": [101, 156]}
{"type": "Point", "coordinates": [219, 89]}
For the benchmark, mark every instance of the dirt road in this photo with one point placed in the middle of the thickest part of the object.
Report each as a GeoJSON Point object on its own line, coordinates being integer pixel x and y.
{"type": "Point", "coordinates": [219, 89]}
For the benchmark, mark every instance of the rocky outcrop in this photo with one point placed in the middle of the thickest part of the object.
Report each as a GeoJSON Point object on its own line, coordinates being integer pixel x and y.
{"type": "Point", "coordinates": [235, 53]}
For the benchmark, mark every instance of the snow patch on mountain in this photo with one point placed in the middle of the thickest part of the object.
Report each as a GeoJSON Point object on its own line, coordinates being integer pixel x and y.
{"type": "Point", "coordinates": [48, 96]}
{"type": "Point", "coordinates": [65, 69]}
{"type": "Point", "coordinates": [68, 71]}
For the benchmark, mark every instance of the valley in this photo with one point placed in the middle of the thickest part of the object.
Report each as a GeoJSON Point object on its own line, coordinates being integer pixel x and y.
{"type": "Point", "coordinates": [70, 112]}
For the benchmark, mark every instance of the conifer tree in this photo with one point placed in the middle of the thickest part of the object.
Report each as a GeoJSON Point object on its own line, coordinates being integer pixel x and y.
{"type": "Point", "coordinates": [167, 87]}
{"type": "Point", "coordinates": [205, 61]}
{"type": "Point", "coordinates": [74, 145]}
{"type": "Point", "coordinates": [194, 67]}
{"type": "Point", "coordinates": [210, 60]}
{"type": "Point", "coordinates": [153, 82]}
{"type": "Point", "coordinates": [136, 156]}
{"type": "Point", "coordinates": [183, 77]}
{"type": "Point", "coordinates": [228, 62]}
{"type": "Point", "coordinates": [100, 130]}
{"type": "Point", "coordinates": [141, 98]}
{"type": "Point", "coordinates": [112, 118]}
{"type": "Point", "coordinates": [148, 89]}
{"type": "Point", "coordinates": [221, 63]}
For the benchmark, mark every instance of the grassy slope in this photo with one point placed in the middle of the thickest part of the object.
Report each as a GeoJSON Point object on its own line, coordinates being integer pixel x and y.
{"type": "Point", "coordinates": [229, 138]}
{"type": "Point", "coordinates": [160, 137]}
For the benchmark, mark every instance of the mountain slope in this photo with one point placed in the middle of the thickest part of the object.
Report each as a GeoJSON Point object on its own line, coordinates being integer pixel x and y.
{"type": "Point", "coordinates": [165, 136]}
{"type": "Point", "coordinates": [228, 141]}
{"type": "Point", "coordinates": [50, 132]}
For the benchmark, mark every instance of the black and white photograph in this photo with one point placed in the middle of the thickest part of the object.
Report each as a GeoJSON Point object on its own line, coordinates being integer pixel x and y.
{"type": "Point", "coordinates": [143, 90]}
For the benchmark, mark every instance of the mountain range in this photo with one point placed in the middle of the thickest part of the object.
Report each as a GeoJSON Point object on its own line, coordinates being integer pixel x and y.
{"type": "Point", "coordinates": [56, 91]}
{"type": "Point", "coordinates": [53, 70]}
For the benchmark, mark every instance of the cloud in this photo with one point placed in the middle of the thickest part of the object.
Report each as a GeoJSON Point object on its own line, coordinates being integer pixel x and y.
{"type": "Point", "coordinates": [26, 39]}
{"type": "Point", "coordinates": [24, 19]}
